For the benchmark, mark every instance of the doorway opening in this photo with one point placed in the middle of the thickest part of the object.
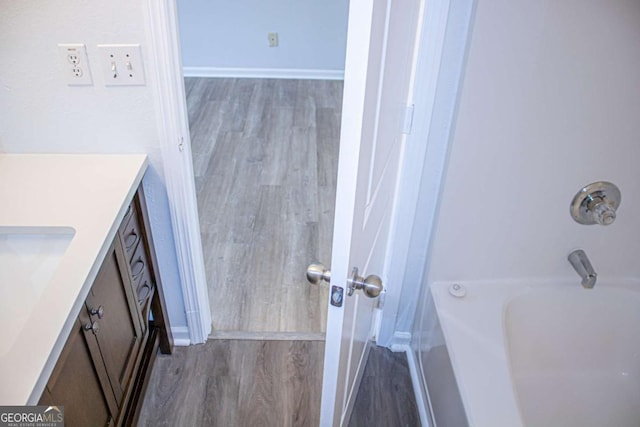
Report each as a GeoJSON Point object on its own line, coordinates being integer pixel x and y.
{"type": "Point", "coordinates": [265, 163]}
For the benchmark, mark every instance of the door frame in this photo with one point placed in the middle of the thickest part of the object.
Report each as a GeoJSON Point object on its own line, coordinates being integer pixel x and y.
{"type": "Point", "coordinates": [175, 147]}
{"type": "Point", "coordinates": [424, 161]}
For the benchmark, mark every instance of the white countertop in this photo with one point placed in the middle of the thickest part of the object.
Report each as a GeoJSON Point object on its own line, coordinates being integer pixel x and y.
{"type": "Point", "coordinates": [90, 194]}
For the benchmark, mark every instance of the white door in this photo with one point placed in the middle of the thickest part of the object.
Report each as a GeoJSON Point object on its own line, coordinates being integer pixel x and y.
{"type": "Point", "coordinates": [378, 74]}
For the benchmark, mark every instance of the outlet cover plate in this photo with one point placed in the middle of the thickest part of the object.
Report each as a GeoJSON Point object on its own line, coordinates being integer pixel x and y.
{"type": "Point", "coordinates": [273, 39]}
{"type": "Point", "coordinates": [75, 64]}
{"type": "Point", "coordinates": [121, 64]}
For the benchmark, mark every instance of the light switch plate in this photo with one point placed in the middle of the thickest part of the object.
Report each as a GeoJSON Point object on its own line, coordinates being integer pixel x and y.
{"type": "Point", "coordinates": [75, 64]}
{"type": "Point", "coordinates": [121, 64]}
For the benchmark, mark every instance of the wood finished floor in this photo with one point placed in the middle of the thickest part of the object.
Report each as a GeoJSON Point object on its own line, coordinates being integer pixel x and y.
{"type": "Point", "coordinates": [236, 383]}
{"type": "Point", "coordinates": [265, 162]}
{"type": "Point", "coordinates": [269, 383]}
{"type": "Point", "coordinates": [385, 397]}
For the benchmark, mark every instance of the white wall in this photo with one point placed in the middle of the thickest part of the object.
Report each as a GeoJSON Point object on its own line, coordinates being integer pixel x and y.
{"type": "Point", "coordinates": [226, 34]}
{"type": "Point", "coordinates": [550, 103]}
{"type": "Point", "coordinates": [40, 113]}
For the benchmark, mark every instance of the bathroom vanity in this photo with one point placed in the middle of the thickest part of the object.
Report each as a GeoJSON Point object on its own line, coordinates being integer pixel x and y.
{"type": "Point", "coordinates": [84, 319]}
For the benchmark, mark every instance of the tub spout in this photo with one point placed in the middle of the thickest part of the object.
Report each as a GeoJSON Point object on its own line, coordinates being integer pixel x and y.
{"type": "Point", "coordinates": [580, 262]}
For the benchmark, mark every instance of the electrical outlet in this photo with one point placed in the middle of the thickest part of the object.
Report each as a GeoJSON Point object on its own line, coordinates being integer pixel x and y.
{"type": "Point", "coordinates": [121, 64]}
{"type": "Point", "coordinates": [75, 64]}
{"type": "Point", "coordinates": [273, 39]}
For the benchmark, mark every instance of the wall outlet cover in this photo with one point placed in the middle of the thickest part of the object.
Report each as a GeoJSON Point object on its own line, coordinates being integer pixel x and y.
{"type": "Point", "coordinates": [75, 64]}
{"type": "Point", "coordinates": [273, 39]}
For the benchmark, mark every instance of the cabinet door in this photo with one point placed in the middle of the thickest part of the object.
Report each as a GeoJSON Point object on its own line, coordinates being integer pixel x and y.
{"type": "Point", "coordinates": [79, 385]}
{"type": "Point", "coordinates": [111, 303]}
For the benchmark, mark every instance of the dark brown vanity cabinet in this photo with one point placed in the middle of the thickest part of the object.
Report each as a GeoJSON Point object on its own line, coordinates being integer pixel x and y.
{"type": "Point", "coordinates": [102, 373]}
{"type": "Point", "coordinates": [77, 383]}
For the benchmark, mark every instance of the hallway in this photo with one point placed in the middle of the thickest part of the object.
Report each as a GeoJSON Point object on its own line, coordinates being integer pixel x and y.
{"type": "Point", "coordinates": [265, 162]}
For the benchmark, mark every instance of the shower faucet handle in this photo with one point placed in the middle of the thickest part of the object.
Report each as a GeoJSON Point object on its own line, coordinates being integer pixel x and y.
{"type": "Point", "coordinates": [596, 203]}
{"type": "Point", "coordinates": [603, 212]}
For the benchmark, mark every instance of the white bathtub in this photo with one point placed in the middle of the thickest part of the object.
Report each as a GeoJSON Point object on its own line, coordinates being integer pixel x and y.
{"type": "Point", "coordinates": [540, 355]}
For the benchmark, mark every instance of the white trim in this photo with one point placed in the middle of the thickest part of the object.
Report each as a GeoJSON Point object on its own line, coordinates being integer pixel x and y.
{"type": "Point", "coordinates": [426, 75]}
{"type": "Point", "coordinates": [267, 336]}
{"type": "Point", "coordinates": [180, 336]}
{"type": "Point", "coordinates": [175, 148]}
{"type": "Point", "coordinates": [459, 25]}
{"type": "Point", "coordinates": [423, 411]}
{"type": "Point", "coordinates": [264, 73]}
{"type": "Point", "coordinates": [400, 341]}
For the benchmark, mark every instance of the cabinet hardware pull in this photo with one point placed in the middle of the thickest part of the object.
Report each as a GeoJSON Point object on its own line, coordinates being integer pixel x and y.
{"type": "Point", "coordinates": [99, 311]}
{"type": "Point", "coordinates": [130, 243]}
{"type": "Point", "coordinates": [143, 291]}
{"type": "Point", "coordinates": [138, 263]}
{"type": "Point", "coordinates": [92, 326]}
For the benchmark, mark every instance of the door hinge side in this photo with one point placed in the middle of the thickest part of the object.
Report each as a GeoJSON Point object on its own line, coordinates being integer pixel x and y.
{"type": "Point", "coordinates": [408, 119]}
{"type": "Point", "coordinates": [381, 299]}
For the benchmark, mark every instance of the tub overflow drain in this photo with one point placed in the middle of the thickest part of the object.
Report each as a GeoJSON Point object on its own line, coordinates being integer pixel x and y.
{"type": "Point", "coordinates": [457, 290]}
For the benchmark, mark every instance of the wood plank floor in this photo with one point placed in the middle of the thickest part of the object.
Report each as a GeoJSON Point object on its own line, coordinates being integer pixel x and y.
{"type": "Point", "coordinates": [269, 383]}
{"type": "Point", "coordinates": [236, 383]}
{"type": "Point", "coordinates": [265, 162]}
{"type": "Point", "coordinates": [385, 396]}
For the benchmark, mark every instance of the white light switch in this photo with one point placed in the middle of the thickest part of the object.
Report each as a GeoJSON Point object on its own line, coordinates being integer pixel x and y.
{"type": "Point", "coordinates": [121, 64]}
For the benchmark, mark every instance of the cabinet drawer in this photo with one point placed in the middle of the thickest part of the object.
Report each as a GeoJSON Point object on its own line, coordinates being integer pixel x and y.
{"type": "Point", "coordinates": [104, 368]}
{"type": "Point", "coordinates": [130, 232]}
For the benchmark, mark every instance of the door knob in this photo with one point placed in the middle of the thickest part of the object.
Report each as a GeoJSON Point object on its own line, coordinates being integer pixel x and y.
{"type": "Point", "coordinates": [317, 272]}
{"type": "Point", "coordinates": [371, 285]}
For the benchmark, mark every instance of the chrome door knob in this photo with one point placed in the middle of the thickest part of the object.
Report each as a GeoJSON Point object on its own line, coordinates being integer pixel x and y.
{"type": "Point", "coordinates": [317, 272]}
{"type": "Point", "coordinates": [371, 285]}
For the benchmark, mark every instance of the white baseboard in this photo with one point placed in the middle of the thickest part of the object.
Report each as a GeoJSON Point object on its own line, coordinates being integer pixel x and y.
{"type": "Point", "coordinates": [423, 411]}
{"type": "Point", "coordinates": [264, 73]}
{"type": "Point", "coordinates": [400, 341]}
{"type": "Point", "coordinates": [180, 336]}
{"type": "Point", "coordinates": [267, 336]}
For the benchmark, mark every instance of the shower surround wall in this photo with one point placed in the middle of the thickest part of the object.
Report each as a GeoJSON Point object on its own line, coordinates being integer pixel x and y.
{"type": "Point", "coordinates": [550, 102]}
